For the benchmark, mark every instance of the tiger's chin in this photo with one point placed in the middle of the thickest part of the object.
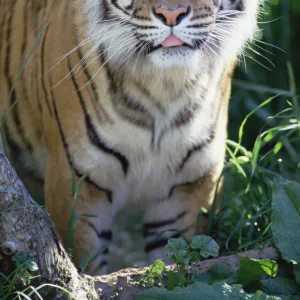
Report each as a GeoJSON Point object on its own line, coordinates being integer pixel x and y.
{"type": "Point", "coordinates": [175, 57]}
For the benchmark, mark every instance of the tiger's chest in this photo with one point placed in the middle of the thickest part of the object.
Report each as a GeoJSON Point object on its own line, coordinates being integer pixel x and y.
{"type": "Point", "coordinates": [143, 165]}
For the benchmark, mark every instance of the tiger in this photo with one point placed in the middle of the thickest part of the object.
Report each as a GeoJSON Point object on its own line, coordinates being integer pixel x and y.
{"type": "Point", "coordinates": [129, 98]}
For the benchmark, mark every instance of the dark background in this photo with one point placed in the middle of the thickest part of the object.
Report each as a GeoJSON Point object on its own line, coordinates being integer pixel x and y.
{"type": "Point", "coordinates": [280, 27]}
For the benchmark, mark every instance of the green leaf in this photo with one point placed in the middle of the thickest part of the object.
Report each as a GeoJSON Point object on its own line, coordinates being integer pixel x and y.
{"type": "Point", "coordinates": [171, 255]}
{"type": "Point", "coordinates": [279, 286]}
{"type": "Point", "coordinates": [88, 216]}
{"type": "Point", "coordinates": [203, 277]}
{"type": "Point", "coordinates": [154, 272]}
{"type": "Point", "coordinates": [291, 297]}
{"type": "Point", "coordinates": [177, 244]}
{"type": "Point", "coordinates": [235, 292]}
{"type": "Point", "coordinates": [157, 268]}
{"type": "Point", "coordinates": [286, 219]}
{"type": "Point", "coordinates": [202, 291]}
{"type": "Point", "coordinates": [172, 280]}
{"type": "Point", "coordinates": [251, 270]}
{"type": "Point", "coordinates": [206, 245]}
{"type": "Point", "coordinates": [261, 296]}
{"type": "Point", "coordinates": [194, 257]}
{"type": "Point", "coordinates": [220, 272]}
{"type": "Point", "coordinates": [25, 261]}
{"type": "Point", "coordinates": [75, 220]}
{"type": "Point", "coordinates": [297, 272]}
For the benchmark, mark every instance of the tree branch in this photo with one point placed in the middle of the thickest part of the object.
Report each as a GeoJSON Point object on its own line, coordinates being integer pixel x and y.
{"type": "Point", "coordinates": [25, 227]}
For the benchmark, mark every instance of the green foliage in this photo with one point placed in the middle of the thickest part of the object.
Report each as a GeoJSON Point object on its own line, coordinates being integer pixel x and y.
{"type": "Point", "coordinates": [286, 219]}
{"type": "Point", "coordinates": [202, 291]}
{"type": "Point", "coordinates": [20, 284]}
{"type": "Point", "coordinates": [154, 273]}
{"type": "Point", "coordinates": [297, 272]}
{"type": "Point", "coordinates": [252, 270]}
{"type": "Point", "coordinates": [205, 245]}
{"type": "Point", "coordinates": [185, 254]}
{"type": "Point", "coordinates": [219, 280]}
{"type": "Point", "coordinates": [20, 277]}
{"type": "Point", "coordinates": [256, 275]}
{"type": "Point", "coordinates": [219, 272]}
{"type": "Point", "coordinates": [280, 286]}
{"type": "Point", "coordinates": [268, 139]}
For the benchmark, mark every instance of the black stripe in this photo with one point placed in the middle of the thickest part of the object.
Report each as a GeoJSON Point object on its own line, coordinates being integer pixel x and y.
{"type": "Point", "coordinates": [201, 16]}
{"type": "Point", "coordinates": [130, 6]}
{"type": "Point", "coordinates": [112, 84]}
{"type": "Point", "coordinates": [23, 47]}
{"type": "Point", "coordinates": [172, 189]}
{"type": "Point", "coordinates": [3, 19]}
{"type": "Point", "coordinates": [160, 242]}
{"type": "Point", "coordinates": [105, 10]}
{"type": "Point", "coordinates": [13, 99]}
{"type": "Point", "coordinates": [14, 149]}
{"type": "Point", "coordinates": [132, 111]}
{"type": "Point", "coordinates": [141, 18]}
{"type": "Point", "coordinates": [115, 4]}
{"type": "Point", "coordinates": [108, 192]}
{"type": "Point", "coordinates": [43, 71]}
{"type": "Point", "coordinates": [207, 141]}
{"type": "Point", "coordinates": [191, 152]}
{"type": "Point", "coordinates": [145, 27]}
{"type": "Point", "coordinates": [186, 115]}
{"type": "Point", "coordinates": [93, 87]}
{"type": "Point", "coordinates": [199, 25]}
{"type": "Point", "coordinates": [93, 135]}
{"type": "Point", "coordinates": [34, 84]}
{"type": "Point", "coordinates": [106, 235]}
{"type": "Point", "coordinates": [15, 155]}
{"type": "Point", "coordinates": [102, 264]}
{"type": "Point", "coordinates": [155, 225]}
{"type": "Point", "coordinates": [89, 77]}
{"type": "Point", "coordinates": [105, 251]}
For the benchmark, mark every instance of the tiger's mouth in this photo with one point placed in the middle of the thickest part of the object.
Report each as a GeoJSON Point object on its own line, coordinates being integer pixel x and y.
{"type": "Point", "coordinates": [172, 41]}
{"type": "Point", "coordinates": [173, 44]}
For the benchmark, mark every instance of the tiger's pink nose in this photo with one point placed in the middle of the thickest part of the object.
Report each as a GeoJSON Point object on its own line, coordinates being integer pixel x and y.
{"type": "Point", "coordinates": [171, 17]}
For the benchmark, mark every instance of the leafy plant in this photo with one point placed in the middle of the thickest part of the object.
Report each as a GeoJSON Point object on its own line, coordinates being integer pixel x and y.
{"type": "Point", "coordinates": [20, 277]}
{"type": "Point", "coordinates": [259, 277]}
{"type": "Point", "coordinates": [202, 291]}
{"type": "Point", "coordinates": [20, 284]}
{"type": "Point", "coordinates": [185, 254]}
{"type": "Point", "coordinates": [154, 273]}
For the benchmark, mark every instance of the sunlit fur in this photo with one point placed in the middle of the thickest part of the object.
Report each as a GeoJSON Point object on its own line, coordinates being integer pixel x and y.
{"type": "Point", "coordinates": [100, 99]}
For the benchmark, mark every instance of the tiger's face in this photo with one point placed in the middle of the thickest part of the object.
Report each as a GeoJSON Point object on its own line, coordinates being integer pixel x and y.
{"type": "Point", "coordinates": [169, 33]}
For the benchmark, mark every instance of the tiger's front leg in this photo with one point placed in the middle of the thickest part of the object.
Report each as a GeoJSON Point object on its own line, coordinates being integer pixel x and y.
{"type": "Point", "coordinates": [92, 233]}
{"type": "Point", "coordinates": [178, 214]}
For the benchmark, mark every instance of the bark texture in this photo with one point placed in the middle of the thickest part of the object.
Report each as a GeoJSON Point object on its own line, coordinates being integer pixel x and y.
{"type": "Point", "coordinates": [25, 227]}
